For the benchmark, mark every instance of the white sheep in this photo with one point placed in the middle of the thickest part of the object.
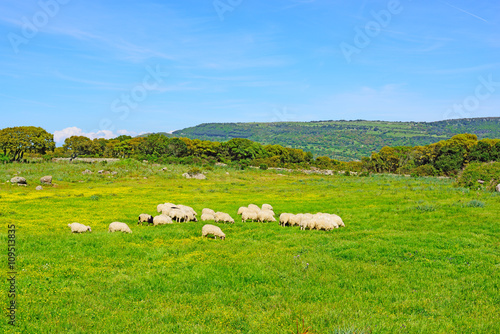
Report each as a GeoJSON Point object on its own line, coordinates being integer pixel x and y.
{"type": "Point", "coordinates": [212, 230]}
{"type": "Point", "coordinates": [177, 214]}
{"type": "Point", "coordinates": [187, 209]}
{"type": "Point", "coordinates": [242, 209]}
{"type": "Point", "coordinates": [254, 207]}
{"type": "Point", "coordinates": [248, 214]}
{"type": "Point", "coordinates": [208, 211]}
{"type": "Point", "coordinates": [223, 217]}
{"type": "Point", "coordinates": [119, 227]}
{"type": "Point", "coordinates": [207, 216]}
{"type": "Point", "coordinates": [285, 218]}
{"type": "Point", "coordinates": [267, 207]}
{"type": "Point", "coordinates": [162, 220]}
{"type": "Point", "coordinates": [145, 218]}
{"type": "Point", "coordinates": [266, 216]}
{"type": "Point", "coordinates": [79, 228]}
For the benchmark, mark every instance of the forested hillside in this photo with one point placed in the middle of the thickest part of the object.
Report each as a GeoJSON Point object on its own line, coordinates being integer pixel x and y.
{"type": "Point", "coordinates": [345, 140]}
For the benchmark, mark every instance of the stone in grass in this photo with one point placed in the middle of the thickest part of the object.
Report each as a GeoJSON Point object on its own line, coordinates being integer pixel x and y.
{"type": "Point", "coordinates": [198, 176]}
{"type": "Point", "coordinates": [39, 188]}
{"type": "Point", "coordinates": [18, 180]}
{"type": "Point", "coordinates": [46, 179]}
{"type": "Point", "coordinates": [498, 187]}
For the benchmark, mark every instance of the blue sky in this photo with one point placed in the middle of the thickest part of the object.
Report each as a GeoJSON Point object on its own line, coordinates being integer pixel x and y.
{"type": "Point", "coordinates": [103, 68]}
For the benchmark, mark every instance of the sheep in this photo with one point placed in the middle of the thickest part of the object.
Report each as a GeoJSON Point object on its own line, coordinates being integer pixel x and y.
{"type": "Point", "coordinates": [119, 227]}
{"type": "Point", "coordinates": [162, 220]}
{"type": "Point", "coordinates": [213, 230]}
{"type": "Point", "coordinates": [284, 218]}
{"type": "Point", "coordinates": [207, 216]}
{"type": "Point", "coordinates": [266, 216]}
{"type": "Point", "coordinates": [253, 207]}
{"type": "Point", "coordinates": [295, 219]}
{"type": "Point", "coordinates": [249, 214]}
{"type": "Point", "coordinates": [79, 228]}
{"type": "Point", "coordinates": [242, 209]}
{"type": "Point", "coordinates": [267, 207]}
{"type": "Point", "coordinates": [178, 215]}
{"type": "Point", "coordinates": [338, 220]}
{"type": "Point", "coordinates": [208, 211]}
{"type": "Point", "coordinates": [223, 217]}
{"type": "Point", "coordinates": [162, 206]}
{"type": "Point", "coordinates": [145, 218]}
{"type": "Point", "coordinates": [323, 223]}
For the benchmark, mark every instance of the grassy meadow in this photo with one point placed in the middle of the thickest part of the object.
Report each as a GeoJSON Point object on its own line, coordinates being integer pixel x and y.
{"type": "Point", "coordinates": [417, 255]}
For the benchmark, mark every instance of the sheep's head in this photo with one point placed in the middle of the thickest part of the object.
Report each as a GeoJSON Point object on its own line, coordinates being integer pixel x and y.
{"type": "Point", "coordinates": [89, 229]}
{"type": "Point", "coordinates": [223, 237]}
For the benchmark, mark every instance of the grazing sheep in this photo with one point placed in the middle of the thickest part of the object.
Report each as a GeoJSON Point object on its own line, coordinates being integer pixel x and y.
{"type": "Point", "coordinates": [145, 218]}
{"type": "Point", "coordinates": [79, 228]}
{"type": "Point", "coordinates": [223, 217]}
{"type": "Point", "coordinates": [187, 209]}
{"type": "Point", "coordinates": [242, 209]}
{"type": "Point", "coordinates": [323, 223]}
{"type": "Point", "coordinates": [178, 215]}
{"type": "Point", "coordinates": [253, 207]}
{"type": "Point", "coordinates": [266, 216]}
{"type": "Point", "coordinates": [267, 207]}
{"type": "Point", "coordinates": [119, 227]}
{"type": "Point", "coordinates": [285, 218]}
{"type": "Point", "coordinates": [162, 220]}
{"type": "Point", "coordinates": [208, 211]}
{"type": "Point", "coordinates": [212, 230]}
{"type": "Point", "coordinates": [207, 216]}
{"type": "Point", "coordinates": [249, 214]}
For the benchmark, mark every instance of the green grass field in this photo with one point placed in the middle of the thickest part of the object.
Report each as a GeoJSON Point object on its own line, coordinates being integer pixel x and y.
{"type": "Point", "coordinates": [417, 255]}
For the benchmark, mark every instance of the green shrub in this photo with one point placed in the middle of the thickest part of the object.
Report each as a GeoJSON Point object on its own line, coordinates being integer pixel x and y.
{"type": "Point", "coordinates": [263, 167]}
{"type": "Point", "coordinates": [424, 170]}
{"type": "Point", "coordinates": [474, 204]}
{"type": "Point", "coordinates": [194, 171]}
{"type": "Point", "coordinates": [488, 172]}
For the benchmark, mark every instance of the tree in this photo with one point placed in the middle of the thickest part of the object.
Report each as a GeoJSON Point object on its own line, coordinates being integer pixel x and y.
{"type": "Point", "coordinates": [78, 145]}
{"type": "Point", "coordinates": [14, 142]}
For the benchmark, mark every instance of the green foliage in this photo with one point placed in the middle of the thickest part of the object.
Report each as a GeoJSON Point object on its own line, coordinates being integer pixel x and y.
{"type": "Point", "coordinates": [474, 204]}
{"type": "Point", "coordinates": [194, 171]}
{"type": "Point", "coordinates": [488, 172]}
{"type": "Point", "coordinates": [344, 140]}
{"type": "Point", "coordinates": [424, 170]}
{"type": "Point", "coordinates": [263, 167]}
{"type": "Point", "coordinates": [16, 141]}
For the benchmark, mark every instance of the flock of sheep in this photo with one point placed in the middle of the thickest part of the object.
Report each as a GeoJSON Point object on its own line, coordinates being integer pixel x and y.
{"type": "Point", "coordinates": [169, 212]}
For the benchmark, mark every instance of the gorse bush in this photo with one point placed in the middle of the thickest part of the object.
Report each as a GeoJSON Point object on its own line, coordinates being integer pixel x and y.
{"type": "Point", "coordinates": [475, 171]}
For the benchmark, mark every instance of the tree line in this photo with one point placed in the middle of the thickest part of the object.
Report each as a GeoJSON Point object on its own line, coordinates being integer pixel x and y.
{"type": "Point", "coordinates": [446, 157]}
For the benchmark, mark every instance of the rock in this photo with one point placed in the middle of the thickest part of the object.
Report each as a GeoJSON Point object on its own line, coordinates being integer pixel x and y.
{"type": "Point", "coordinates": [199, 176]}
{"type": "Point", "coordinates": [18, 180]}
{"type": "Point", "coordinates": [39, 188]}
{"type": "Point", "coordinates": [498, 187]}
{"type": "Point", "coordinates": [480, 181]}
{"type": "Point", "coordinates": [46, 179]}
{"type": "Point", "coordinates": [227, 173]}
{"type": "Point", "coordinates": [220, 164]}
{"type": "Point", "coordinates": [106, 172]}
{"type": "Point", "coordinates": [87, 172]}
{"type": "Point", "coordinates": [114, 173]}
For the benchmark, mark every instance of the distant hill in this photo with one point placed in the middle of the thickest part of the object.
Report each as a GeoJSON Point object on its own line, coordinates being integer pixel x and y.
{"type": "Point", "coordinates": [345, 140]}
